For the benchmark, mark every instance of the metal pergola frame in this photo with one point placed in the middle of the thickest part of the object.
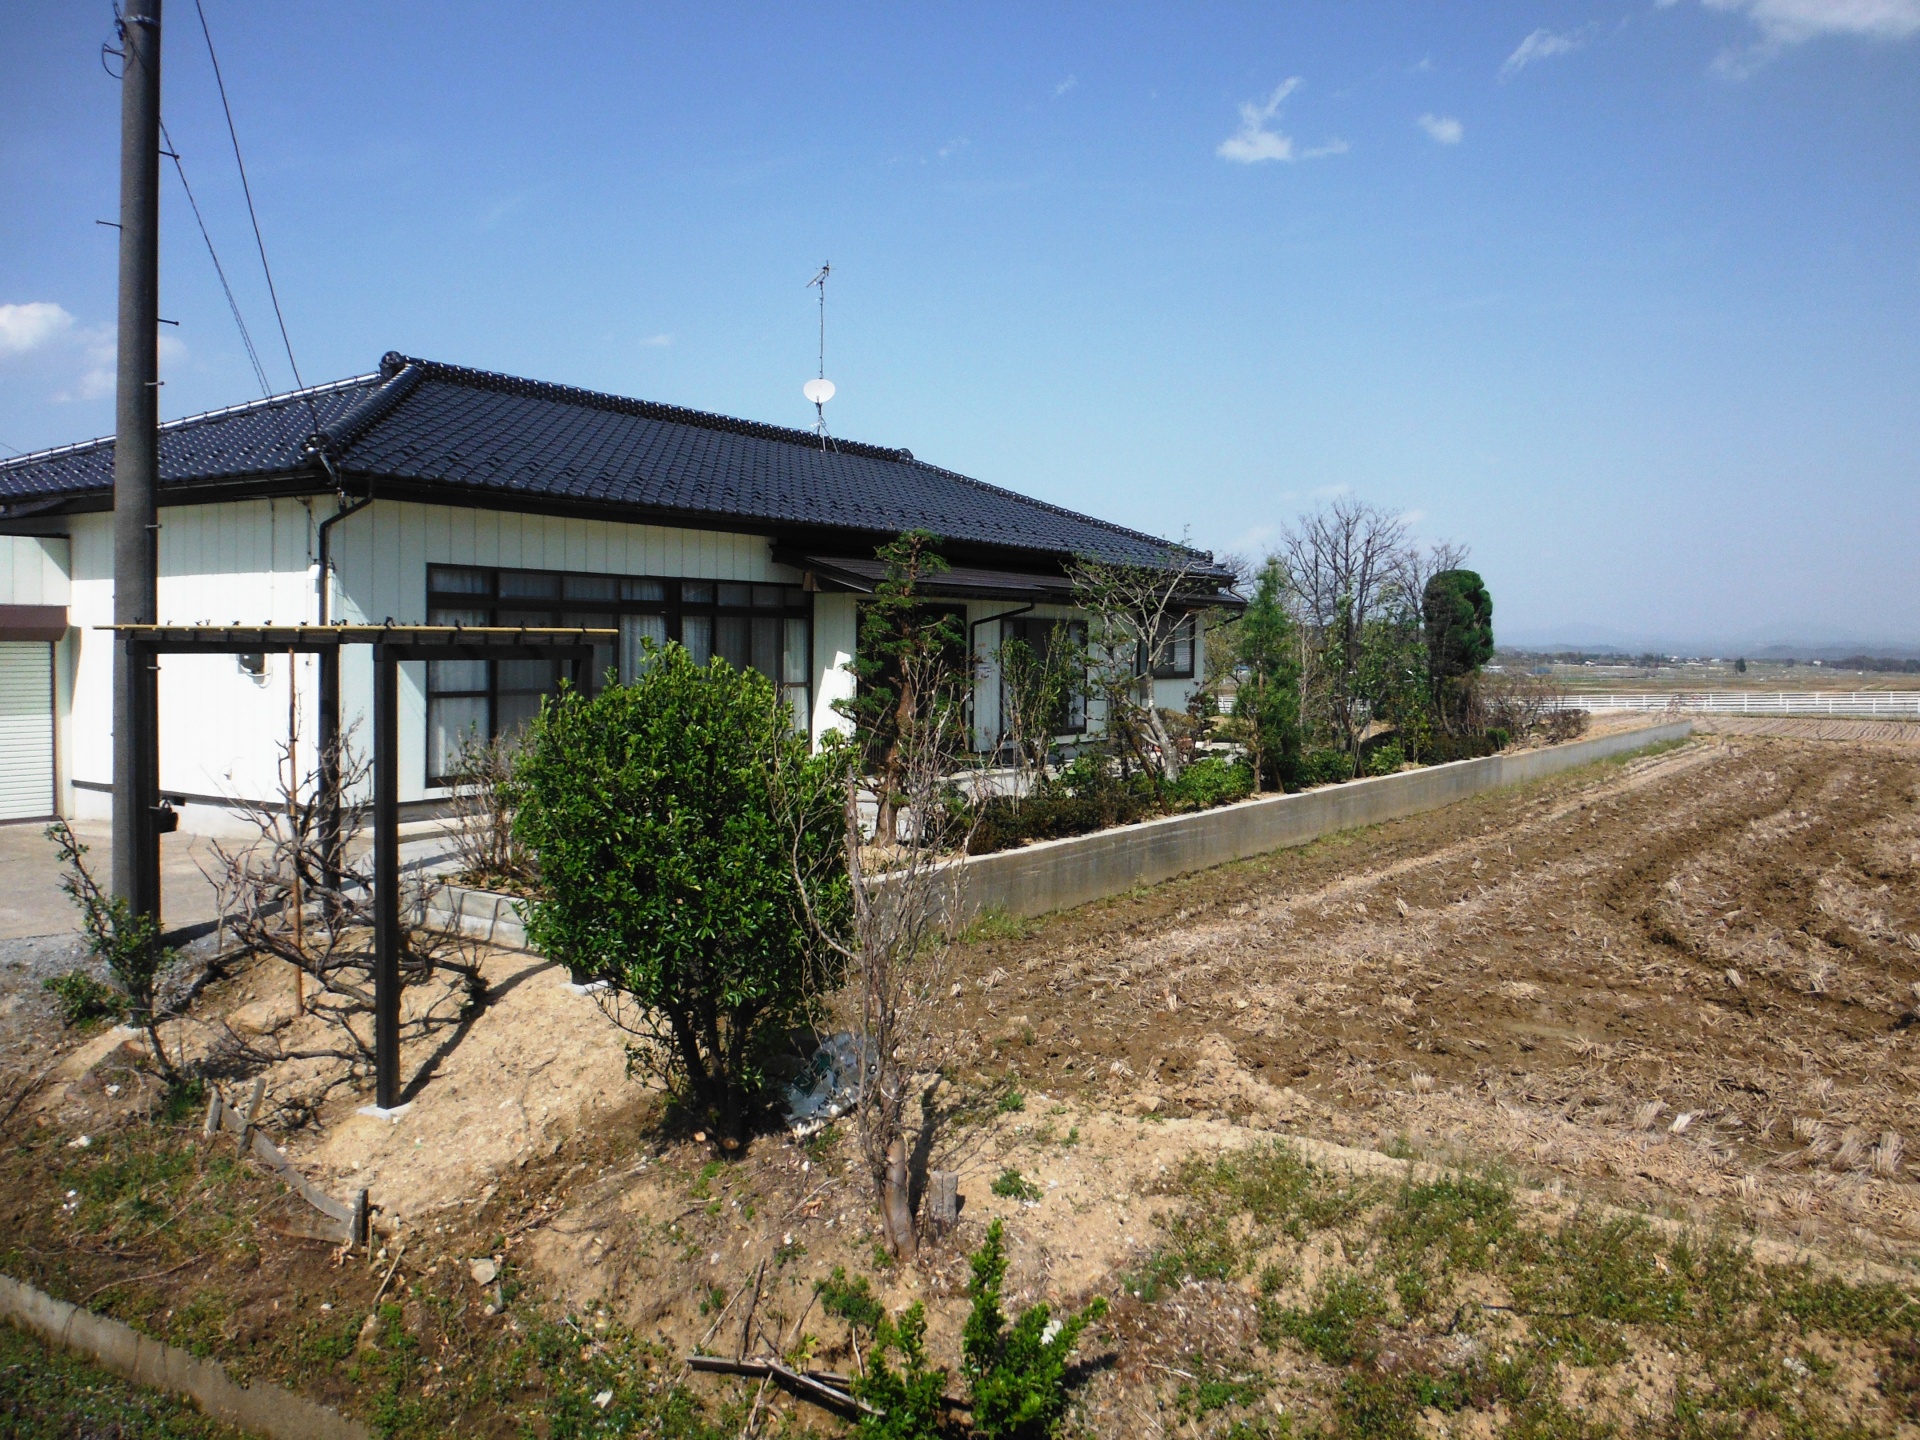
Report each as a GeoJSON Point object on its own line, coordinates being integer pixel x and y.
{"type": "Point", "coordinates": [392, 645]}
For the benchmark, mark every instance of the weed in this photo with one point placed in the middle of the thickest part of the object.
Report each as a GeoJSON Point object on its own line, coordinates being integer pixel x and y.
{"type": "Point", "coordinates": [1012, 1185]}
{"type": "Point", "coordinates": [995, 924]}
{"type": "Point", "coordinates": [820, 1144]}
{"type": "Point", "coordinates": [850, 1300]}
{"type": "Point", "coordinates": [83, 1000]}
{"type": "Point", "coordinates": [1339, 1326]}
{"type": "Point", "coordinates": [1216, 1392]}
{"type": "Point", "coordinates": [48, 1394]}
{"type": "Point", "coordinates": [1012, 1102]}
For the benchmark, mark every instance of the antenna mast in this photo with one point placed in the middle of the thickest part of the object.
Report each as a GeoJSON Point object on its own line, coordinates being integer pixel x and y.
{"type": "Point", "coordinates": [820, 389]}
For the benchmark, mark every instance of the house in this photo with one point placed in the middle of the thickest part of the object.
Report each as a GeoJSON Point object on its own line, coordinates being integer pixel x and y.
{"type": "Point", "coordinates": [427, 493]}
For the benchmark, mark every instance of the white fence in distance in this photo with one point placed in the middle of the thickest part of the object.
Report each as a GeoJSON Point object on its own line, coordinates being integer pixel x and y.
{"type": "Point", "coordinates": [1884, 704]}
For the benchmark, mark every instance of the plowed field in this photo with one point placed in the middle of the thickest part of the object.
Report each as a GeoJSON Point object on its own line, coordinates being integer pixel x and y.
{"type": "Point", "coordinates": [1689, 977]}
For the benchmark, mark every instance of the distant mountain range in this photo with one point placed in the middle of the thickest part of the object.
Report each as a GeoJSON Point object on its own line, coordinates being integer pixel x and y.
{"type": "Point", "coordinates": [1599, 642]}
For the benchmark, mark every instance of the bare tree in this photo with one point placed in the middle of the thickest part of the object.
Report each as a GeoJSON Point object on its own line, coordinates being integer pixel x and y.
{"type": "Point", "coordinates": [286, 894]}
{"type": "Point", "coordinates": [1346, 564]}
{"type": "Point", "coordinates": [1134, 619]}
{"type": "Point", "coordinates": [1037, 692]}
{"type": "Point", "coordinates": [892, 935]}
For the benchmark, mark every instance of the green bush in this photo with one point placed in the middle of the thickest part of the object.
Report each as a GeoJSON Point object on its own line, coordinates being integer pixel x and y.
{"type": "Point", "coordinates": [667, 869]}
{"type": "Point", "coordinates": [1325, 767]}
{"type": "Point", "coordinates": [128, 944]}
{"type": "Point", "coordinates": [1086, 796]}
{"type": "Point", "coordinates": [1385, 759]}
{"type": "Point", "coordinates": [1209, 782]}
{"type": "Point", "coordinates": [1017, 1372]}
{"type": "Point", "coordinates": [909, 1397]}
{"type": "Point", "coordinates": [80, 998]}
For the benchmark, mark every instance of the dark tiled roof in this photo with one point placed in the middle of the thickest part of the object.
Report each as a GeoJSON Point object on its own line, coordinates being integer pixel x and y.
{"type": "Point", "coordinates": [445, 426]}
{"type": "Point", "coordinates": [265, 437]}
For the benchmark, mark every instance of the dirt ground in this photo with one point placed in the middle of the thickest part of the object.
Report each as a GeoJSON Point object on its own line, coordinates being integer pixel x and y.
{"type": "Point", "coordinates": [1729, 932]}
{"type": "Point", "coordinates": [1682, 986]}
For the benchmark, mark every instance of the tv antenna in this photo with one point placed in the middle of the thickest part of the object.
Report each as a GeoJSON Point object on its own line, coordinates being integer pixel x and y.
{"type": "Point", "coordinates": [819, 390]}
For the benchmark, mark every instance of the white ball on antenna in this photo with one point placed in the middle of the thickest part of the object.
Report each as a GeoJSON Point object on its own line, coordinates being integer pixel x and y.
{"type": "Point", "coordinates": [818, 392]}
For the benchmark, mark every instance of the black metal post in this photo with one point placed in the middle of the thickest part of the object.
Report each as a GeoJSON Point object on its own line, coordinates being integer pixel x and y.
{"type": "Point", "coordinates": [386, 876]}
{"type": "Point", "coordinates": [136, 841]}
{"type": "Point", "coordinates": [329, 820]}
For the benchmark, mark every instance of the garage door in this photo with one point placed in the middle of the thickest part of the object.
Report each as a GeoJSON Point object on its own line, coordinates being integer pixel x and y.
{"type": "Point", "coordinates": [26, 729]}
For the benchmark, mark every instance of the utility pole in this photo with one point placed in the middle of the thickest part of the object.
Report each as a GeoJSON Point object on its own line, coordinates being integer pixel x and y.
{"type": "Point", "coordinates": [136, 855]}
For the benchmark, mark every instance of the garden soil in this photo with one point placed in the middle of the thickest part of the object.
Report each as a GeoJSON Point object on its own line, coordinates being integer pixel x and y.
{"type": "Point", "coordinates": [1683, 984]}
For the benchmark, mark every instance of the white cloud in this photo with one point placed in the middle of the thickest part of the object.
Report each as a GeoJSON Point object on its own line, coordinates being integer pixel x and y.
{"type": "Point", "coordinates": [1067, 84]}
{"type": "Point", "coordinates": [1443, 128]}
{"type": "Point", "coordinates": [1257, 139]}
{"type": "Point", "coordinates": [1254, 142]}
{"type": "Point", "coordinates": [657, 342]}
{"type": "Point", "coordinates": [28, 327]}
{"type": "Point", "coordinates": [1789, 22]}
{"type": "Point", "coordinates": [1783, 23]}
{"type": "Point", "coordinates": [1544, 44]}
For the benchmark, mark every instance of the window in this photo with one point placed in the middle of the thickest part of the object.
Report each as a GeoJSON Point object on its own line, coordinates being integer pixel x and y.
{"type": "Point", "coordinates": [763, 627]}
{"type": "Point", "coordinates": [1041, 636]}
{"type": "Point", "coordinates": [1173, 658]}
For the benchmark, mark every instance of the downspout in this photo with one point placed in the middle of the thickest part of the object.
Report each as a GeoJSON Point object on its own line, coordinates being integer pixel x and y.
{"type": "Point", "coordinates": [324, 583]}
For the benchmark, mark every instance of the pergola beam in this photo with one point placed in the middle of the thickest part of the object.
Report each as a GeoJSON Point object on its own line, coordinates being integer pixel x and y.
{"type": "Point", "coordinates": [392, 646]}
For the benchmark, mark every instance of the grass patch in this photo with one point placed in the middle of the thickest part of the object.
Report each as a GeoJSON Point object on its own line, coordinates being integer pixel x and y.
{"type": "Point", "coordinates": [1010, 1184]}
{"type": "Point", "coordinates": [48, 1394]}
{"type": "Point", "coordinates": [1441, 1295]}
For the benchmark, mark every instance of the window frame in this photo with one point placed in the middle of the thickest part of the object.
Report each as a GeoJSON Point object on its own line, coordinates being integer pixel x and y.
{"type": "Point", "coordinates": [1170, 670]}
{"type": "Point", "coordinates": [680, 599]}
{"type": "Point", "coordinates": [1024, 628]}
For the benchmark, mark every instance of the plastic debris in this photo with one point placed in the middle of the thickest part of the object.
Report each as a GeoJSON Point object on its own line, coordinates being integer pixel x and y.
{"type": "Point", "coordinates": [830, 1085]}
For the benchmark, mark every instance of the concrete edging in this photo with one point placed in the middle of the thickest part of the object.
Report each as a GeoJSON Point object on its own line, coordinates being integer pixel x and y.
{"type": "Point", "coordinates": [1060, 874]}
{"type": "Point", "coordinates": [265, 1408]}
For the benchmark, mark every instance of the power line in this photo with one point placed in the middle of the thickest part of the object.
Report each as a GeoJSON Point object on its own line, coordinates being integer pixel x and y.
{"type": "Point", "coordinates": [246, 336]}
{"type": "Point", "coordinates": [247, 190]}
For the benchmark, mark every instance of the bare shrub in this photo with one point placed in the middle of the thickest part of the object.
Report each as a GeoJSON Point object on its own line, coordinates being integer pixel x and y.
{"type": "Point", "coordinates": [1135, 615]}
{"type": "Point", "coordinates": [894, 940]}
{"type": "Point", "coordinates": [288, 894]}
{"type": "Point", "coordinates": [483, 802]}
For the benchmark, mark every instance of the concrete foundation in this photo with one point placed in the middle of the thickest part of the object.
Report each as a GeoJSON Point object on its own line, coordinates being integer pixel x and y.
{"type": "Point", "coordinates": [264, 1409]}
{"type": "Point", "coordinates": [1059, 874]}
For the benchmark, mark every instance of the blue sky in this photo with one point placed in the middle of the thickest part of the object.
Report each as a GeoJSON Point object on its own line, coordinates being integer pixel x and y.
{"type": "Point", "coordinates": [1622, 296]}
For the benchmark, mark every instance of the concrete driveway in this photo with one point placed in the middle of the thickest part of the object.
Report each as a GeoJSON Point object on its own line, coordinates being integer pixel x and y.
{"type": "Point", "coordinates": [33, 904]}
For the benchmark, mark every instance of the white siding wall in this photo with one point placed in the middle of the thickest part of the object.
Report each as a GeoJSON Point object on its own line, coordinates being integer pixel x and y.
{"type": "Point", "coordinates": [254, 562]}
{"type": "Point", "coordinates": [248, 562]}
{"type": "Point", "coordinates": [33, 570]}
{"type": "Point", "coordinates": [833, 636]}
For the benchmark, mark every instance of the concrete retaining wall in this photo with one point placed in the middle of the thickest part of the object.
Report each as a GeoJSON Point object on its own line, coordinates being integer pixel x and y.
{"type": "Point", "coordinates": [477, 914]}
{"type": "Point", "coordinates": [1059, 874]}
{"type": "Point", "coordinates": [263, 1408]}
